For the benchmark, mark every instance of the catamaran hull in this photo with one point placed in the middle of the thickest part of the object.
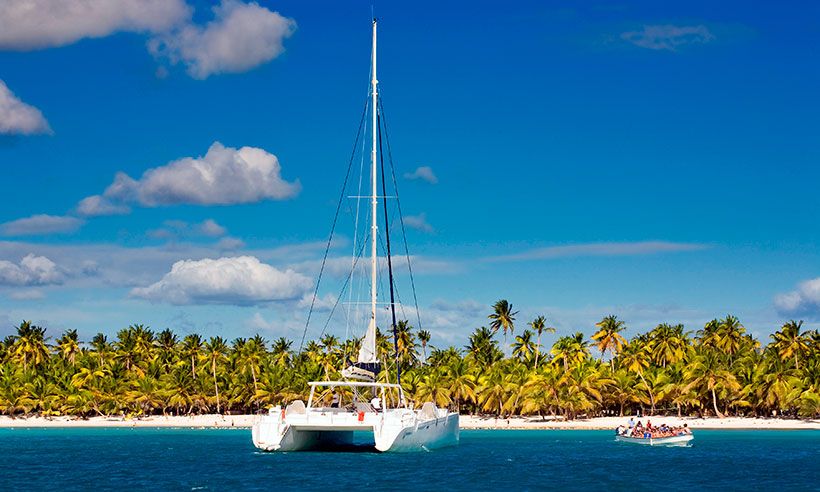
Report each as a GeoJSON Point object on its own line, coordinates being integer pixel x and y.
{"type": "Point", "coordinates": [424, 436]}
{"type": "Point", "coordinates": [661, 441]}
{"type": "Point", "coordinates": [294, 439]}
{"type": "Point", "coordinates": [270, 434]}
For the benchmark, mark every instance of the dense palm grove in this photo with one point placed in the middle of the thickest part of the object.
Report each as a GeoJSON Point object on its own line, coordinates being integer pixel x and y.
{"type": "Point", "coordinates": [718, 370]}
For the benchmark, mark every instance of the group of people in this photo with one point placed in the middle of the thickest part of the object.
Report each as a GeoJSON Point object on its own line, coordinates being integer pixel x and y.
{"type": "Point", "coordinates": [649, 431]}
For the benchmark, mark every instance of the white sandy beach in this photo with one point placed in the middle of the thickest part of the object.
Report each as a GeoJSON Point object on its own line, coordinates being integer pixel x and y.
{"type": "Point", "coordinates": [467, 422]}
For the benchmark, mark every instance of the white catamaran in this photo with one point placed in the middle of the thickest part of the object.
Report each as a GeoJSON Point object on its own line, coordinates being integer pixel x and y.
{"type": "Point", "coordinates": [359, 403]}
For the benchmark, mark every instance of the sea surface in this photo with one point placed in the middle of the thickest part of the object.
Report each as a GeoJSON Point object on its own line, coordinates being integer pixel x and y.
{"type": "Point", "coordinates": [194, 459]}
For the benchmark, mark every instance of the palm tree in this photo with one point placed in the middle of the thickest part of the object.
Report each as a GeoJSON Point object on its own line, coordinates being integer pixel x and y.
{"type": "Point", "coordinates": [706, 372]}
{"type": "Point", "coordinates": [192, 348]}
{"type": "Point", "coordinates": [250, 358]}
{"type": "Point", "coordinates": [281, 352]}
{"type": "Point", "coordinates": [503, 318]}
{"type": "Point", "coordinates": [462, 382]}
{"type": "Point", "coordinates": [166, 346]}
{"type": "Point", "coordinates": [668, 344]}
{"type": "Point", "coordinates": [29, 346]}
{"type": "Point", "coordinates": [636, 358]}
{"type": "Point", "coordinates": [424, 338]}
{"type": "Point", "coordinates": [100, 346]}
{"type": "Point", "coordinates": [539, 324]}
{"type": "Point", "coordinates": [483, 349]}
{"type": "Point", "coordinates": [523, 348]}
{"type": "Point", "coordinates": [68, 346]}
{"type": "Point", "coordinates": [730, 335]}
{"type": "Point", "coordinates": [570, 350]}
{"type": "Point", "coordinates": [405, 343]}
{"type": "Point", "coordinates": [608, 337]}
{"type": "Point", "coordinates": [217, 350]}
{"type": "Point", "coordinates": [790, 343]}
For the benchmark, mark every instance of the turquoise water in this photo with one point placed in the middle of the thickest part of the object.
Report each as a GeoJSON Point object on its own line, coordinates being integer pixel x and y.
{"type": "Point", "coordinates": [180, 459]}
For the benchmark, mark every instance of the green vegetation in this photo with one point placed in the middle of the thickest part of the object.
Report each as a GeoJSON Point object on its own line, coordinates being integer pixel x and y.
{"type": "Point", "coordinates": [719, 370]}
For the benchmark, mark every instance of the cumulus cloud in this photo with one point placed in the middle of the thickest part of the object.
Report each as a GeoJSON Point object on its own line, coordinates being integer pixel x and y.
{"type": "Point", "coordinates": [601, 249]}
{"type": "Point", "coordinates": [424, 173]}
{"type": "Point", "coordinates": [223, 176]}
{"type": "Point", "coordinates": [17, 117]}
{"type": "Point", "coordinates": [32, 270]}
{"type": "Point", "coordinates": [803, 301]}
{"type": "Point", "coordinates": [668, 37]}
{"type": "Point", "coordinates": [240, 37]}
{"type": "Point", "coordinates": [41, 224]}
{"type": "Point", "coordinates": [35, 24]}
{"type": "Point", "coordinates": [242, 280]}
{"type": "Point", "coordinates": [418, 222]}
{"type": "Point", "coordinates": [112, 265]}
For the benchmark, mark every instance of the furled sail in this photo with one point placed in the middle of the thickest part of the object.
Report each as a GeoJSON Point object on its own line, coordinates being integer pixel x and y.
{"type": "Point", "coordinates": [367, 366]}
{"type": "Point", "coordinates": [367, 352]}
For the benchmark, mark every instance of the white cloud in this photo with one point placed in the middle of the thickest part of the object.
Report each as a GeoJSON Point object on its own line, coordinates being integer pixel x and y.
{"type": "Point", "coordinates": [114, 266]}
{"type": "Point", "coordinates": [259, 323]}
{"type": "Point", "coordinates": [668, 37]}
{"type": "Point", "coordinates": [35, 24]}
{"type": "Point", "coordinates": [96, 205]}
{"type": "Point", "coordinates": [601, 249]}
{"type": "Point", "coordinates": [418, 222]}
{"type": "Point", "coordinates": [27, 295]}
{"type": "Point", "coordinates": [242, 280]}
{"type": "Point", "coordinates": [340, 266]}
{"type": "Point", "coordinates": [32, 270]}
{"type": "Point", "coordinates": [17, 117]}
{"type": "Point", "coordinates": [209, 227]}
{"type": "Point", "coordinates": [803, 301]}
{"type": "Point", "coordinates": [241, 36]}
{"type": "Point", "coordinates": [230, 244]}
{"type": "Point", "coordinates": [424, 173]}
{"type": "Point", "coordinates": [41, 224]}
{"type": "Point", "coordinates": [223, 176]}
{"type": "Point", "coordinates": [325, 303]}
{"type": "Point", "coordinates": [176, 229]}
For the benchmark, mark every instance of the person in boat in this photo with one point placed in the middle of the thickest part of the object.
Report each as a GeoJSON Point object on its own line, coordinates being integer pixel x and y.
{"type": "Point", "coordinates": [376, 402]}
{"type": "Point", "coordinates": [631, 423]}
{"type": "Point", "coordinates": [334, 403]}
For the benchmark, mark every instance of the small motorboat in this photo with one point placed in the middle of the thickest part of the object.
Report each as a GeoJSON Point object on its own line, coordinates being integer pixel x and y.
{"type": "Point", "coordinates": [679, 440]}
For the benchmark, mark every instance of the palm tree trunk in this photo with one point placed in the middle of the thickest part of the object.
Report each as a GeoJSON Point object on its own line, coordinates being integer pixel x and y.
{"type": "Point", "coordinates": [649, 390]}
{"type": "Point", "coordinates": [216, 386]}
{"type": "Point", "coordinates": [253, 375]}
{"type": "Point", "coordinates": [538, 350]}
{"type": "Point", "coordinates": [714, 404]}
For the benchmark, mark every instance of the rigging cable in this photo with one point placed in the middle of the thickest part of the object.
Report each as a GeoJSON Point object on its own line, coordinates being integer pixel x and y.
{"type": "Point", "coordinates": [389, 260]}
{"type": "Point", "coordinates": [333, 228]}
{"type": "Point", "coordinates": [401, 216]}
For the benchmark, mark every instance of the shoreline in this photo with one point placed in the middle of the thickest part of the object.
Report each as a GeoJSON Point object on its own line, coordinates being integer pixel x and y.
{"type": "Point", "coordinates": [467, 422]}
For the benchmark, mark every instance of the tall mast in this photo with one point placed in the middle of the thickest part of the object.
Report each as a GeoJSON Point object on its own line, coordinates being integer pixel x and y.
{"type": "Point", "coordinates": [374, 95]}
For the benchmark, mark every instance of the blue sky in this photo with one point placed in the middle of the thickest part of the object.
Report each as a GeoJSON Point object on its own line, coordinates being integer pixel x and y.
{"type": "Point", "coordinates": [657, 161]}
